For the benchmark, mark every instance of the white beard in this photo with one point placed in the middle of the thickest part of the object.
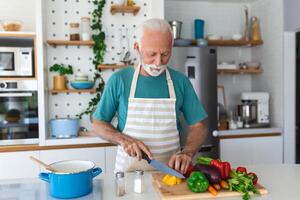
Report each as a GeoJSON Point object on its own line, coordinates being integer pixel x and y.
{"type": "Point", "coordinates": [154, 70]}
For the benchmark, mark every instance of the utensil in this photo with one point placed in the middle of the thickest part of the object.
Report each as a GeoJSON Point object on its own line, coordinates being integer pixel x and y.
{"type": "Point", "coordinates": [176, 28]}
{"type": "Point", "coordinates": [47, 167]}
{"type": "Point", "coordinates": [161, 166]}
{"type": "Point", "coordinates": [74, 179]}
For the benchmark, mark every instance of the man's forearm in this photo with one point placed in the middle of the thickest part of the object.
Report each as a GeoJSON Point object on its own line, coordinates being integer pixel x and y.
{"type": "Point", "coordinates": [196, 136]}
{"type": "Point", "coordinates": [107, 132]}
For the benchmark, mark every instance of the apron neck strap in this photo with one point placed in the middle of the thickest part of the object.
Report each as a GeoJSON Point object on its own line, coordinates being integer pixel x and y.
{"type": "Point", "coordinates": [135, 78]}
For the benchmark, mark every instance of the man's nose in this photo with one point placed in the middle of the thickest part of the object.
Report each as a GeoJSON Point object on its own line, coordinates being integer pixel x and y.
{"type": "Point", "coordinates": [157, 60]}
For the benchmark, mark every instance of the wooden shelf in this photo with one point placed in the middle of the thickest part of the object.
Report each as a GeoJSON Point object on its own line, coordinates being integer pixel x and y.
{"type": "Point", "coordinates": [124, 9]}
{"type": "Point", "coordinates": [111, 66]}
{"type": "Point", "coordinates": [73, 91]}
{"type": "Point", "coordinates": [16, 34]}
{"type": "Point", "coordinates": [70, 43]}
{"type": "Point", "coordinates": [234, 43]}
{"type": "Point", "coordinates": [240, 71]}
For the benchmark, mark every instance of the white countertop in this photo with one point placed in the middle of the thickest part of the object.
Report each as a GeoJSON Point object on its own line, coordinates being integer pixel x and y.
{"type": "Point", "coordinates": [282, 182]}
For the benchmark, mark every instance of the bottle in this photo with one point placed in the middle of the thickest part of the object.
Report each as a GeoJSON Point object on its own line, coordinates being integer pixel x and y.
{"type": "Point", "coordinates": [85, 28]}
{"type": "Point", "coordinates": [255, 29]}
{"type": "Point", "coordinates": [120, 184]}
{"type": "Point", "coordinates": [139, 181]}
{"type": "Point", "coordinates": [74, 31]}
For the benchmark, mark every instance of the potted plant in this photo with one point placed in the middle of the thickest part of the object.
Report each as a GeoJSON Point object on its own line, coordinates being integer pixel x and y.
{"type": "Point", "coordinates": [60, 81]}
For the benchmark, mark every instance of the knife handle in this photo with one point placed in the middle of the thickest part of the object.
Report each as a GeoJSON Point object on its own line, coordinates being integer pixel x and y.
{"type": "Point", "coordinates": [145, 157]}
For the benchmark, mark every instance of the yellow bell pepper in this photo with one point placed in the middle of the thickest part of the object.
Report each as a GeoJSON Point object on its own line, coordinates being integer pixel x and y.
{"type": "Point", "coordinates": [171, 180]}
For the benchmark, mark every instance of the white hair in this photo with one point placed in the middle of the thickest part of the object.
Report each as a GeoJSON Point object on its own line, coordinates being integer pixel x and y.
{"type": "Point", "coordinates": [154, 24]}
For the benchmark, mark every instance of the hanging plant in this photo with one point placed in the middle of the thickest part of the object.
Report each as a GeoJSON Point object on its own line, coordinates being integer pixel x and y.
{"type": "Point", "coordinates": [99, 50]}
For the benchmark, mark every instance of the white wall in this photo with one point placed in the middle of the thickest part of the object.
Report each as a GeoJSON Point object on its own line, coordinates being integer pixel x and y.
{"type": "Point", "coordinates": [270, 13]}
{"type": "Point", "coordinates": [291, 15]}
{"type": "Point", "coordinates": [23, 10]}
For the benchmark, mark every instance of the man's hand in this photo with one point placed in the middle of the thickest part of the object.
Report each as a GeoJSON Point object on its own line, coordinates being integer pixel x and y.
{"type": "Point", "coordinates": [180, 161]}
{"type": "Point", "coordinates": [134, 147]}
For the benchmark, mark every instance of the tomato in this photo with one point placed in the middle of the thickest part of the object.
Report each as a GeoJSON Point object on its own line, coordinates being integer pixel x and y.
{"type": "Point", "coordinates": [241, 170]}
{"type": "Point", "coordinates": [254, 177]}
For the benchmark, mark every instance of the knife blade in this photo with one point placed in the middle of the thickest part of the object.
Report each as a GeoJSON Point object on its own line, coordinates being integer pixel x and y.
{"type": "Point", "coordinates": [161, 166]}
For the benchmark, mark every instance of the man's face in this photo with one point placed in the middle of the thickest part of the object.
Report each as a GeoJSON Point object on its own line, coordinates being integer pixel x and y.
{"type": "Point", "coordinates": [155, 47]}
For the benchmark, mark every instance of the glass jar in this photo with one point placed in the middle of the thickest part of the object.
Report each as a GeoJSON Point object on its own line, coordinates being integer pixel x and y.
{"type": "Point", "coordinates": [139, 181]}
{"type": "Point", "coordinates": [74, 31]}
{"type": "Point", "coordinates": [120, 184]}
{"type": "Point", "coordinates": [85, 28]}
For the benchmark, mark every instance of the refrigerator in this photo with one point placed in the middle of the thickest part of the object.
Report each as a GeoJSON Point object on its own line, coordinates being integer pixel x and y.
{"type": "Point", "coordinates": [199, 64]}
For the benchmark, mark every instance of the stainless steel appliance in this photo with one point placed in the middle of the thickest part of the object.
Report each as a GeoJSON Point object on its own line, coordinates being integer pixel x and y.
{"type": "Point", "coordinates": [176, 28]}
{"type": "Point", "coordinates": [16, 57]}
{"type": "Point", "coordinates": [200, 65]}
{"type": "Point", "coordinates": [255, 109]}
{"type": "Point", "coordinates": [18, 112]}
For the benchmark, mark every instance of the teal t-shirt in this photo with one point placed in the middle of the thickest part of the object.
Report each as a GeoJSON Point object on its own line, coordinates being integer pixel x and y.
{"type": "Point", "coordinates": [117, 89]}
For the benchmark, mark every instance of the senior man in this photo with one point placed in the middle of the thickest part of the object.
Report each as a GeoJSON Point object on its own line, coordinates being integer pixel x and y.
{"type": "Point", "coordinates": [148, 99]}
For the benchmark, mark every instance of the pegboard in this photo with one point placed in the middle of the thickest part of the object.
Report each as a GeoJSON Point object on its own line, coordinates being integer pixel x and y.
{"type": "Point", "coordinates": [120, 30]}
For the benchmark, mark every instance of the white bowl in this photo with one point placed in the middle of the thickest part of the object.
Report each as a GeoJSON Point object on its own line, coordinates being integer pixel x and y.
{"type": "Point", "coordinates": [214, 37]}
{"type": "Point", "coordinates": [237, 37]}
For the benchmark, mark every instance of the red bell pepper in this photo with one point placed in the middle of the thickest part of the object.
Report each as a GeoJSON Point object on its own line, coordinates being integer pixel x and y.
{"type": "Point", "coordinates": [241, 170]}
{"type": "Point", "coordinates": [254, 177]}
{"type": "Point", "coordinates": [223, 167]}
{"type": "Point", "coordinates": [189, 170]}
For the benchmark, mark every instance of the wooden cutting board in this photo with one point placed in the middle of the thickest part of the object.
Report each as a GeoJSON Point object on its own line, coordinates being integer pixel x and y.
{"type": "Point", "coordinates": [181, 192]}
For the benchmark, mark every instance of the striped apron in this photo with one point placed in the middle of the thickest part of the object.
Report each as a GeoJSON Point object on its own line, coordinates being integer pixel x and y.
{"type": "Point", "coordinates": [153, 121]}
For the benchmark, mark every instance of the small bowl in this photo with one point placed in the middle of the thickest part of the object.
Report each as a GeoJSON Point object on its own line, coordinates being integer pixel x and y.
{"type": "Point", "coordinates": [214, 37]}
{"type": "Point", "coordinates": [201, 42]}
{"type": "Point", "coordinates": [253, 64]}
{"type": "Point", "coordinates": [82, 84]}
{"type": "Point", "coordinates": [11, 25]}
{"type": "Point", "coordinates": [237, 37]}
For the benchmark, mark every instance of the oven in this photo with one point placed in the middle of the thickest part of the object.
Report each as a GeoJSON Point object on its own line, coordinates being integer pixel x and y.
{"type": "Point", "coordinates": [18, 112]}
{"type": "Point", "coordinates": [16, 57]}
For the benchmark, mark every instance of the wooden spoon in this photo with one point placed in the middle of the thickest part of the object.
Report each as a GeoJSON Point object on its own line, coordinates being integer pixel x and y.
{"type": "Point", "coordinates": [48, 167]}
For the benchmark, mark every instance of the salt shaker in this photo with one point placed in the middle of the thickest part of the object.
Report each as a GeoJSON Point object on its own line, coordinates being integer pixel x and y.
{"type": "Point", "coordinates": [120, 184]}
{"type": "Point", "coordinates": [139, 181]}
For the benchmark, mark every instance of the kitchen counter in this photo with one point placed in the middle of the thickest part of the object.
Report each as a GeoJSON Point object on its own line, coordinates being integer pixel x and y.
{"type": "Point", "coordinates": [282, 182]}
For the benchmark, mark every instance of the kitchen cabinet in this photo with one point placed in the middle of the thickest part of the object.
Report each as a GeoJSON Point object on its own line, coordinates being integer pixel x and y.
{"type": "Point", "coordinates": [18, 165]}
{"type": "Point", "coordinates": [252, 150]}
{"type": "Point", "coordinates": [110, 158]}
{"type": "Point", "coordinates": [96, 155]}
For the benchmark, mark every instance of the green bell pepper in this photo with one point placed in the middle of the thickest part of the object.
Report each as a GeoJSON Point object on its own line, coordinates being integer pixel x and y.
{"type": "Point", "coordinates": [197, 182]}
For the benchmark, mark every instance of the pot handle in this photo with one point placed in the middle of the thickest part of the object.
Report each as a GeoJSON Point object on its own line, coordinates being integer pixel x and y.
{"type": "Point", "coordinates": [44, 177]}
{"type": "Point", "coordinates": [96, 171]}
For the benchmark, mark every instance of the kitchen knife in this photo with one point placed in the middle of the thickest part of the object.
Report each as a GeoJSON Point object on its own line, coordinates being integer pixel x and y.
{"type": "Point", "coordinates": [161, 166]}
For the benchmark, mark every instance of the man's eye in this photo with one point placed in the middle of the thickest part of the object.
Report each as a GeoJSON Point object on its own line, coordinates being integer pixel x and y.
{"type": "Point", "coordinates": [165, 54]}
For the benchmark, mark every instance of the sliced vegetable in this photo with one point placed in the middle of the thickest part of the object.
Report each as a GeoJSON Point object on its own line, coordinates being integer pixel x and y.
{"type": "Point", "coordinates": [242, 183]}
{"type": "Point", "coordinates": [254, 177]}
{"type": "Point", "coordinates": [171, 180]}
{"type": "Point", "coordinates": [224, 185]}
{"type": "Point", "coordinates": [212, 190]}
{"type": "Point", "coordinates": [223, 167]}
{"type": "Point", "coordinates": [197, 182]}
{"type": "Point", "coordinates": [211, 172]}
{"type": "Point", "coordinates": [241, 170]}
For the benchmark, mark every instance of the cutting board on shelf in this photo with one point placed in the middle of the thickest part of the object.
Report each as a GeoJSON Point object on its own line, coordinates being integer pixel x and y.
{"type": "Point", "coordinates": [181, 192]}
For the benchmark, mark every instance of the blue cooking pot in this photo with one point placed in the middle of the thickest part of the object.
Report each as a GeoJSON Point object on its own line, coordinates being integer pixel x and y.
{"type": "Point", "coordinates": [64, 127]}
{"type": "Point", "coordinates": [71, 179]}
